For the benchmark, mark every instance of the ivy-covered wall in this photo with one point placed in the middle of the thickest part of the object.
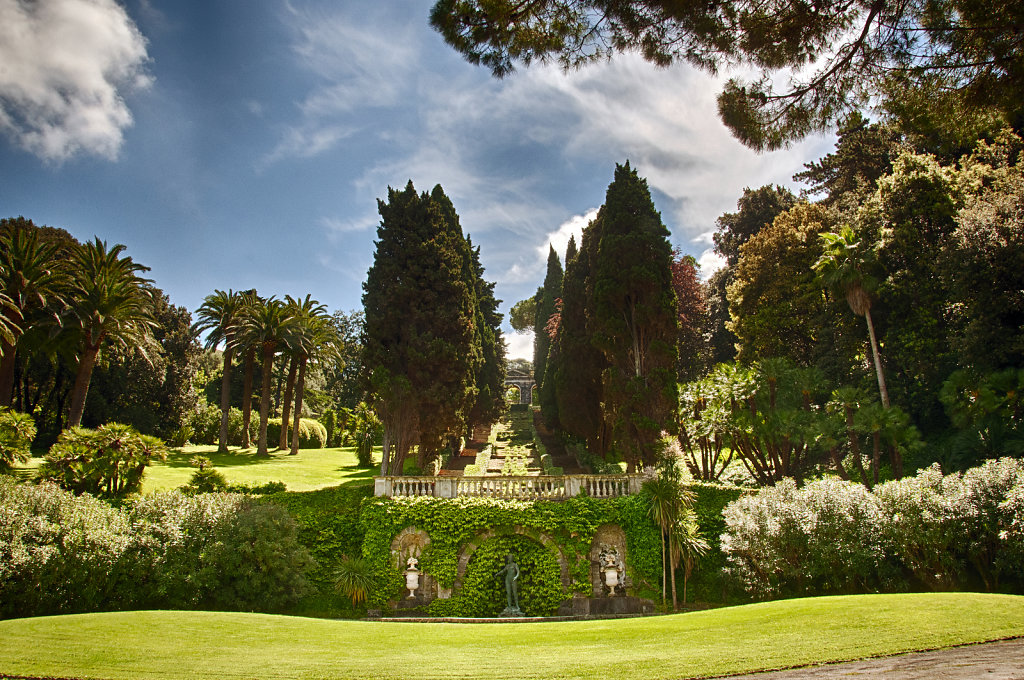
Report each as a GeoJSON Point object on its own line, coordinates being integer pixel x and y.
{"type": "Point", "coordinates": [453, 523]}
{"type": "Point", "coordinates": [348, 521]}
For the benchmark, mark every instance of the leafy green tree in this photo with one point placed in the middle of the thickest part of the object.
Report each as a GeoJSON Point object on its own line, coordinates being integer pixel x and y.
{"type": "Point", "coordinates": [986, 266]}
{"type": "Point", "coordinates": [523, 315]}
{"type": "Point", "coordinates": [774, 301]}
{"type": "Point", "coordinates": [858, 50]}
{"type": "Point", "coordinates": [269, 325]}
{"type": "Point", "coordinates": [635, 320]}
{"type": "Point", "coordinates": [218, 318]}
{"type": "Point", "coordinates": [756, 209]}
{"type": "Point", "coordinates": [341, 377]}
{"type": "Point", "coordinates": [110, 304]}
{"type": "Point", "coordinates": [864, 152]}
{"type": "Point", "coordinates": [33, 279]}
{"type": "Point", "coordinates": [153, 392]}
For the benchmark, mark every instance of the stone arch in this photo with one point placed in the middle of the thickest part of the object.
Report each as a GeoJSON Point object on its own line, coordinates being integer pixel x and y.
{"type": "Point", "coordinates": [540, 537]}
{"type": "Point", "coordinates": [608, 537]}
{"type": "Point", "coordinates": [411, 542]}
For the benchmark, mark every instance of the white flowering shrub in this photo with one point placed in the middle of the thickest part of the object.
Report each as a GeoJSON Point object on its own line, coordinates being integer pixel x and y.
{"type": "Point", "coordinates": [61, 553]}
{"type": "Point", "coordinates": [815, 539]}
{"type": "Point", "coordinates": [930, 531]}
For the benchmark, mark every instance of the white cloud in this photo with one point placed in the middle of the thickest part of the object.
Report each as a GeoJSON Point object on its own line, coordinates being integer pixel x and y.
{"type": "Point", "coordinates": [559, 239]}
{"type": "Point", "coordinates": [358, 67]}
{"type": "Point", "coordinates": [710, 262]}
{"type": "Point", "coordinates": [336, 226]}
{"type": "Point", "coordinates": [305, 142]}
{"type": "Point", "coordinates": [519, 345]}
{"type": "Point", "coordinates": [64, 66]}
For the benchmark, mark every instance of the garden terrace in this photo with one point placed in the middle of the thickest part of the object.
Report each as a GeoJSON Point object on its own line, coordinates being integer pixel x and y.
{"type": "Point", "coordinates": [552, 488]}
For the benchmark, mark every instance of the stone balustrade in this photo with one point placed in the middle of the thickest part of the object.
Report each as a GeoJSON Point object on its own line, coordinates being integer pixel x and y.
{"type": "Point", "coordinates": [512, 488]}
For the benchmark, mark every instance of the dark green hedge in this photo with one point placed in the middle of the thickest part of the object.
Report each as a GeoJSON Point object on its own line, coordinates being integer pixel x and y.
{"type": "Point", "coordinates": [329, 527]}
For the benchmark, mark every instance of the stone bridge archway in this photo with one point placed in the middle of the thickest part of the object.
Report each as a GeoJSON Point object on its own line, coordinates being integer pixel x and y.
{"type": "Point", "coordinates": [524, 382]}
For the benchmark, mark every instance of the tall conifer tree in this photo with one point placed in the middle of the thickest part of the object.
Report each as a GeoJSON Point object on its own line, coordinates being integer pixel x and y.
{"type": "Point", "coordinates": [579, 364]}
{"type": "Point", "coordinates": [635, 320]}
{"type": "Point", "coordinates": [546, 306]}
{"type": "Point", "coordinates": [419, 324]}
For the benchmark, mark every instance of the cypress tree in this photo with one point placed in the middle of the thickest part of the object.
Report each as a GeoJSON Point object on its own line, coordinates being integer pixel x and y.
{"type": "Point", "coordinates": [579, 364]}
{"type": "Point", "coordinates": [635, 322]}
{"type": "Point", "coordinates": [418, 331]}
{"type": "Point", "coordinates": [546, 306]}
{"type": "Point", "coordinates": [490, 370]}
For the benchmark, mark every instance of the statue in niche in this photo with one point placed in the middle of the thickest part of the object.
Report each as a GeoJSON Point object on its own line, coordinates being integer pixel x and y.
{"type": "Point", "coordinates": [511, 573]}
{"type": "Point", "coordinates": [611, 567]}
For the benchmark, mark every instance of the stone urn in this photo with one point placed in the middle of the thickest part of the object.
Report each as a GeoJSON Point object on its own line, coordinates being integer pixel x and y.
{"type": "Point", "coordinates": [412, 577]}
{"type": "Point", "coordinates": [610, 569]}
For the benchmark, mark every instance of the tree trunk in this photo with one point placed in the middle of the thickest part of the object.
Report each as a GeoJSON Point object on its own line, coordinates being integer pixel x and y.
{"type": "Point", "coordinates": [664, 603]}
{"type": "Point", "coordinates": [300, 387]}
{"type": "Point", "coordinates": [268, 367]}
{"type": "Point", "coordinates": [282, 442]}
{"type": "Point", "coordinates": [882, 389]}
{"type": "Point", "coordinates": [385, 456]}
{"type": "Point", "coordinates": [81, 388]}
{"type": "Point", "coordinates": [247, 398]}
{"type": "Point", "coordinates": [225, 401]}
{"type": "Point", "coordinates": [7, 372]}
{"type": "Point", "coordinates": [672, 568]}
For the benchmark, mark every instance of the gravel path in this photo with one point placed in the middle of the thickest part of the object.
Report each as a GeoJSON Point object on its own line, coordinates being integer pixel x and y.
{"type": "Point", "coordinates": [1002, 660]}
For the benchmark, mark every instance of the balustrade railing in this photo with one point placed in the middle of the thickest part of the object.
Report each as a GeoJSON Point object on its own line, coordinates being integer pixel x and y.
{"type": "Point", "coordinates": [512, 488]}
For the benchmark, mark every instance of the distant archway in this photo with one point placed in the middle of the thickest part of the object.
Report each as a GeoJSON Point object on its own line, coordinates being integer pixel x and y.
{"type": "Point", "coordinates": [523, 381]}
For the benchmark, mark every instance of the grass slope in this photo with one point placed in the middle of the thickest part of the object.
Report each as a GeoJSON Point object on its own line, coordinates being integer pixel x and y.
{"type": "Point", "coordinates": [701, 644]}
{"type": "Point", "coordinates": [310, 469]}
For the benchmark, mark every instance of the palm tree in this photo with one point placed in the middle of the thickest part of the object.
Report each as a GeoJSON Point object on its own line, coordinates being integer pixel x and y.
{"type": "Point", "coordinates": [249, 299]}
{"type": "Point", "coordinates": [314, 335]}
{"type": "Point", "coordinates": [31, 276]}
{"type": "Point", "coordinates": [686, 544]}
{"type": "Point", "coordinates": [842, 268]}
{"type": "Point", "coordinates": [110, 303]}
{"type": "Point", "coordinates": [219, 315]}
{"type": "Point", "coordinates": [268, 325]}
{"type": "Point", "coordinates": [667, 501]}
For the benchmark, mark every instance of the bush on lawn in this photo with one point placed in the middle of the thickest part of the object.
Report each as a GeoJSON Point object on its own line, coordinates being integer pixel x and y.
{"type": "Point", "coordinates": [61, 553]}
{"type": "Point", "coordinates": [930, 531]}
{"type": "Point", "coordinates": [312, 434]}
{"type": "Point", "coordinates": [17, 430]}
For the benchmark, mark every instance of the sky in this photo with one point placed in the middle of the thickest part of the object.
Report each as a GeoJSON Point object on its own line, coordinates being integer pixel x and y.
{"type": "Point", "coordinates": [238, 144]}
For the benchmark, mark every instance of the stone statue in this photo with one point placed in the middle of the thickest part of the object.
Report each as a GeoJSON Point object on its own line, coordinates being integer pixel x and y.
{"type": "Point", "coordinates": [511, 573]}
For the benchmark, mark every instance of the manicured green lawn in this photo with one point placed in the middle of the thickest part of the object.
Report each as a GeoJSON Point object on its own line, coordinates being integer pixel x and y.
{"type": "Point", "coordinates": [700, 644]}
{"type": "Point", "coordinates": [308, 470]}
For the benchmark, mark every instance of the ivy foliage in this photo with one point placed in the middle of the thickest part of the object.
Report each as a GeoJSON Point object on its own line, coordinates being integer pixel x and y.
{"type": "Point", "coordinates": [483, 593]}
{"type": "Point", "coordinates": [453, 523]}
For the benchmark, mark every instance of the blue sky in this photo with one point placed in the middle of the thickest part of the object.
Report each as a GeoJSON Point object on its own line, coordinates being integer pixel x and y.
{"type": "Point", "coordinates": [234, 144]}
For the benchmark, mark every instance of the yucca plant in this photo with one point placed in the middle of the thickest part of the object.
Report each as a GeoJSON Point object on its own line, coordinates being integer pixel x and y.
{"type": "Point", "coordinates": [353, 578]}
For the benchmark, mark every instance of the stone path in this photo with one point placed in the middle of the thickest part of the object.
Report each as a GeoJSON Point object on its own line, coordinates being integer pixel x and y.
{"type": "Point", "coordinates": [1002, 660]}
